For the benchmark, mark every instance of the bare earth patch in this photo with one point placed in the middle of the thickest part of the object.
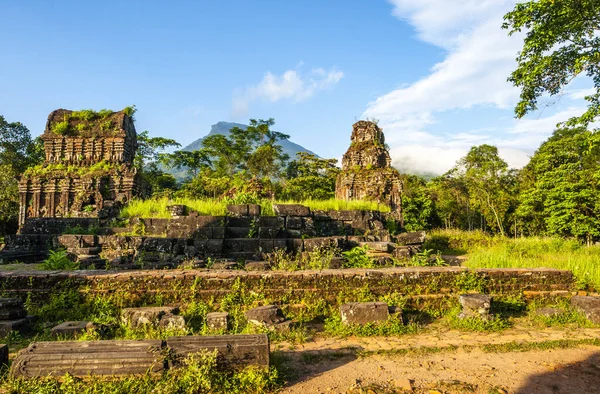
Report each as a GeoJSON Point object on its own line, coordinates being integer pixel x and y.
{"type": "Point", "coordinates": [568, 371]}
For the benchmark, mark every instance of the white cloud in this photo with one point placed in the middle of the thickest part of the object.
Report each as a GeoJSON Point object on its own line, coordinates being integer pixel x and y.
{"type": "Point", "coordinates": [579, 94]}
{"type": "Point", "coordinates": [290, 85]}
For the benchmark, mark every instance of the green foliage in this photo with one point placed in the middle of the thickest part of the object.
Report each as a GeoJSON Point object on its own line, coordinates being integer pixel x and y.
{"type": "Point", "coordinates": [60, 170]}
{"type": "Point", "coordinates": [470, 281]}
{"type": "Point", "coordinates": [59, 260]}
{"type": "Point", "coordinates": [105, 113]}
{"type": "Point", "coordinates": [357, 257]}
{"type": "Point", "coordinates": [61, 128]}
{"type": "Point", "coordinates": [561, 42]}
{"type": "Point", "coordinates": [535, 252]}
{"type": "Point", "coordinates": [310, 178]}
{"type": "Point", "coordinates": [392, 326]}
{"type": "Point", "coordinates": [84, 114]}
{"type": "Point", "coordinates": [473, 323]}
{"type": "Point", "coordinates": [560, 186]}
{"type": "Point", "coordinates": [417, 205]}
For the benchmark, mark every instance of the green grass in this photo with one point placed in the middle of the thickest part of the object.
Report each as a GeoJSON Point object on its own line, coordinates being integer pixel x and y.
{"type": "Point", "coordinates": [157, 207]}
{"type": "Point", "coordinates": [535, 252]}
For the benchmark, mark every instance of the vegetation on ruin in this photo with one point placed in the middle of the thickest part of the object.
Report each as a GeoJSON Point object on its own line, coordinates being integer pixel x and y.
{"type": "Point", "coordinates": [60, 170]}
{"type": "Point", "coordinates": [157, 207]}
{"type": "Point", "coordinates": [88, 122]}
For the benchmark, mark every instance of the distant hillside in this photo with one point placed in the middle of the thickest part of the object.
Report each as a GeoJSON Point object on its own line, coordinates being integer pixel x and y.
{"type": "Point", "coordinates": [290, 148]}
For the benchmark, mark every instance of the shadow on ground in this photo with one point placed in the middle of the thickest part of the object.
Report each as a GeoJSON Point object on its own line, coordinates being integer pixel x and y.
{"type": "Point", "coordinates": [577, 378]}
{"type": "Point", "coordinates": [296, 366]}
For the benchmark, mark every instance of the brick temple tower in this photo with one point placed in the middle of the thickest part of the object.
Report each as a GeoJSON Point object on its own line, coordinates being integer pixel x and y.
{"type": "Point", "coordinates": [88, 169]}
{"type": "Point", "coordinates": [367, 173]}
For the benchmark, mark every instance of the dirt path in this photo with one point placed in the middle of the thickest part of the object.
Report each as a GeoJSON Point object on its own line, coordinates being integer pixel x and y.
{"type": "Point", "coordinates": [564, 371]}
{"type": "Point", "coordinates": [333, 366]}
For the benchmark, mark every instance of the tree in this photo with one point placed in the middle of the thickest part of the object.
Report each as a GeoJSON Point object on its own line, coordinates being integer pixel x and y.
{"type": "Point", "coordinates": [192, 161]}
{"type": "Point", "coordinates": [561, 195]}
{"type": "Point", "coordinates": [9, 197]}
{"type": "Point", "coordinates": [561, 42]}
{"type": "Point", "coordinates": [310, 178]}
{"type": "Point", "coordinates": [417, 205]}
{"type": "Point", "coordinates": [490, 184]}
{"type": "Point", "coordinates": [150, 148]}
{"type": "Point", "coordinates": [17, 148]}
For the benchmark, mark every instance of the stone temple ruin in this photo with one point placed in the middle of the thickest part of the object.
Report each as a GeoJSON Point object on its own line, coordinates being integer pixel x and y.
{"type": "Point", "coordinates": [367, 173]}
{"type": "Point", "coordinates": [88, 169]}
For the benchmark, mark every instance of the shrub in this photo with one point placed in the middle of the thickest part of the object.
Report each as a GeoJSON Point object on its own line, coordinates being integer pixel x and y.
{"type": "Point", "coordinates": [59, 260]}
{"type": "Point", "coordinates": [61, 128]}
{"type": "Point", "coordinates": [357, 258]}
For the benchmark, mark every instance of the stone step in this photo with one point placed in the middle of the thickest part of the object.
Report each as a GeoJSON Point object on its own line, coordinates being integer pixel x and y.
{"type": "Point", "coordinates": [377, 246]}
{"type": "Point", "coordinates": [91, 250]}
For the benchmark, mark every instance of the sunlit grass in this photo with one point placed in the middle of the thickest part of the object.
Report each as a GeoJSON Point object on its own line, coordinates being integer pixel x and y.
{"type": "Point", "coordinates": [157, 207]}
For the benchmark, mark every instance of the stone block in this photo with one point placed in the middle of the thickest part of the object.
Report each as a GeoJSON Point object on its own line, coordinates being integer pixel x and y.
{"type": "Point", "coordinates": [138, 317]}
{"type": "Point", "coordinates": [218, 232]}
{"type": "Point", "coordinates": [241, 244]}
{"type": "Point", "coordinates": [171, 321]}
{"type": "Point", "coordinates": [589, 305]}
{"type": "Point", "coordinates": [214, 247]}
{"type": "Point", "coordinates": [240, 222]}
{"type": "Point", "coordinates": [291, 210]}
{"type": "Point", "coordinates": [233, 351]}
{"type": "Point", "coordinates": [364, 312]}
{"type": "Point", "coordinates": [85, 358]}
{"type": "Point", "coordinates": [11, 303]}
{"type": "Point", "coordinates": [238, 232]}
{"type": "Point", "coordinates": [280, 244]}
{"type": "Point", "coordinates": [237, 210]}
{"type": "Point", "coordinates": [258, 266]}
{"type": "Point", "coordinates": [413, 238]}
{"type": "Point", "coordinates": [254, 210]}
{"type": "Point", "coordinates": [377, 246]}
{"type": "Point", "coordinates": [293, 222]}
{"type": "Point", "coordinates": [266, 245]}
{"type": "Point", "coordinates": [272, 221]}
{"type": "Point", "coordinates": [311, 244]}
{"type": "Point", "coordinates": [217, 320]}
{"type": "Point", "coordinates": [267, 315]}
{"type": "Point", "coordinates": [402, 252]}
{"type": "Point", "coordinates": [475, 305]}
{"type": "Point", "coordinates": [295, 244]}
{"type": "Point", "coordinates": [8, 326]}
{"type": "Point", "coordinates": [71, 328]}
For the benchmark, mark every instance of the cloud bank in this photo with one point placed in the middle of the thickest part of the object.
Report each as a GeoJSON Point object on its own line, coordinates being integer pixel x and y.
{"type": "Point", "coordinates": [291, 85]}
{"type": "Point", "coordinates": [472, 77]}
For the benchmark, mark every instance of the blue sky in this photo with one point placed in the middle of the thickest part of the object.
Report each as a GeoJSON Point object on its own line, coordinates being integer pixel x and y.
{"type": "Point", "coordinates": [433, 73]}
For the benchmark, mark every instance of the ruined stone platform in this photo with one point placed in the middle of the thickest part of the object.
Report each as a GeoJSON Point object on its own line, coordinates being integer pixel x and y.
{"type": "Point", "coordinates": [418, 284]}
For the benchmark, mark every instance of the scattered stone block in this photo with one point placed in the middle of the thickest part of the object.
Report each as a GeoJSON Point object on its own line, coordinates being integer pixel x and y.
{"type": "Point", "coordinates": [258, 266]}
{"type": "Point", "coordinates": [549, 312]}
{"type": "Point", "coordinates": [71, 328]}
{"type": "Point", "coordinates": [267, 315]}
{"type": "Point", "coordinates": [589, 305]}
{"type": "Point", "coordinates": [293, 222]}
{"type": "Point", "coordinates": [224, 265]}
{"type": "Point", "coordinates": [413, 238]}
{"type": "Point", "coordinates": [475, 305]}
{"type": "Point", "coordinates": [233, 351]}
{"type": "Point", "coordinates": [291, 210]}
{"type": "Point", "coordinates": [8, 326]}
{"type": "Point", "coordinates": [171, 321]}
{"type": "Point", "coordinates": [254, 210]}
{"type": "Point", "coordinates": [138, 317]}
{"type": "Point", "coordinates": [85, 358]}
{"type": "Point", "coordinates": [217, 320]}
{"type": "Point", "coordinates": [3, 355]}
{"type": "Point", "coordinates": [364, 312]}
{"type": "Point", "coordinates": [237, 209]}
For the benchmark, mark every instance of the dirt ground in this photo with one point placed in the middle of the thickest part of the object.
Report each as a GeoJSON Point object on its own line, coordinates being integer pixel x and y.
{"type": "Point", "coordinates": [559, 371]}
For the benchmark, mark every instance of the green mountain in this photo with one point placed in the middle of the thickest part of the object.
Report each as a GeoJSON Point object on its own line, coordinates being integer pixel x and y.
{"type": "Point", "coordinates": [290, 148]}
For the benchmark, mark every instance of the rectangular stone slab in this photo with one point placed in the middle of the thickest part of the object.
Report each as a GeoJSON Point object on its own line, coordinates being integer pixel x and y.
{"type": "Point", "coordinates": [233, 351]}
{"type": "Point", "coordinates": [85, 358]}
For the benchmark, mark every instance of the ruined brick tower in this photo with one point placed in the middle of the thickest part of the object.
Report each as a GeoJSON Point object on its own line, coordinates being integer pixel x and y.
{"type": "Point", "coordinates": [367, 173]}
{"type": "Point", "coordinates": [88, 169]}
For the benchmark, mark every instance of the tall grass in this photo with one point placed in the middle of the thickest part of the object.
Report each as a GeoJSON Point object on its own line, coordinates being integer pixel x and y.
{"type": "Point", "coordinates": [537, 252]}
{"type": "Point", "coordinates": [157, 207]}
